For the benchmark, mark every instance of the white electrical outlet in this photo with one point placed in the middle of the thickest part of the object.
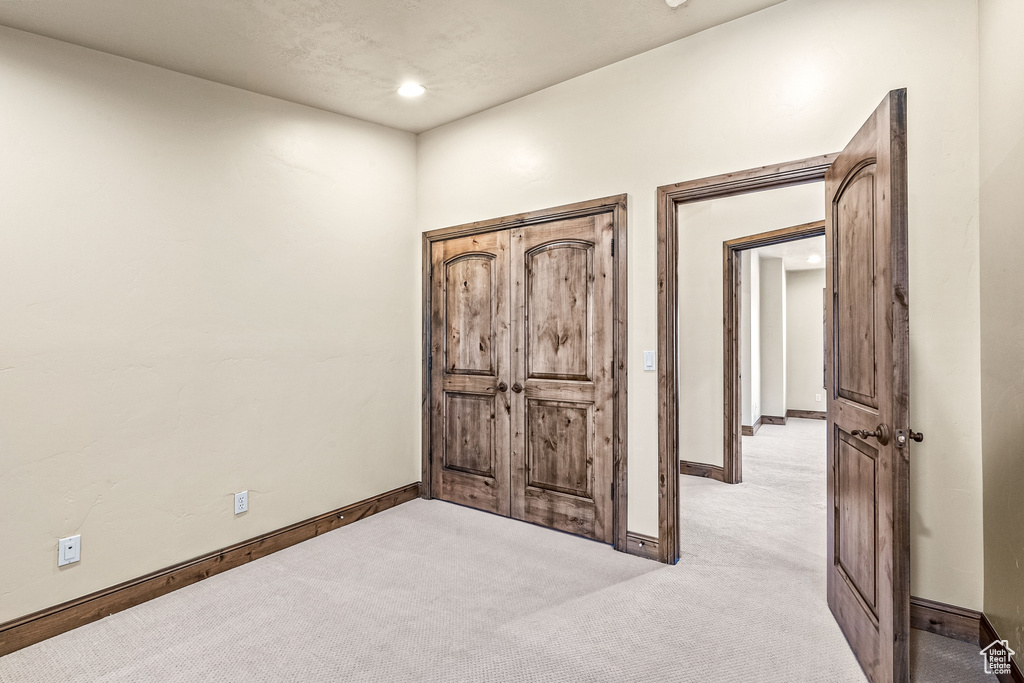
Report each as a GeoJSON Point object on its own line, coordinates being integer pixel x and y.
{"type": "Point", "coordinates": [648, 360]}
{"type": "Point", "coordinates": [241, 502]}
{"type": "Point", "coordinates": [69, 550]}
{"type": "Point", "coordinates": [817, 397]}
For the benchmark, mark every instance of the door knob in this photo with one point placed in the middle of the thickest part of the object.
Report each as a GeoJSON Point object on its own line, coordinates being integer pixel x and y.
{"type": "Point", "coordinates": [902, 436]}
{"type": "Point", "coordinates": [517, 387]}
{"type": "Point", "coordinates": [881, 432]}
{"type": "Point", "coordinates": [502, 386]}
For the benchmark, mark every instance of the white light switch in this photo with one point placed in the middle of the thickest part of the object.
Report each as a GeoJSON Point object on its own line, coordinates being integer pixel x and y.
{"type": "Point", "coordinates": [69, 550]}
{"type": "Point", "coordinates": [648, 360]}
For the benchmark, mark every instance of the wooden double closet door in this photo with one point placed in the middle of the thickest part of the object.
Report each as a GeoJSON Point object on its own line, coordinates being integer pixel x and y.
{"type": "Point", "coordinates": [521, 373]}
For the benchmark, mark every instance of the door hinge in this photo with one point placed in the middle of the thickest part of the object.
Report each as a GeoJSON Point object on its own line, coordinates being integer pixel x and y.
{"type": "Point", "coordinates": [613, 246]}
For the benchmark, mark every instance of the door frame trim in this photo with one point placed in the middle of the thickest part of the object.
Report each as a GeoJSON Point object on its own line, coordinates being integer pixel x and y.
{"type": "Point", "coordinates": [615, 205]}
{"type": "Point", "coordinates": [800, 172]}
{"type": "Point", "coordinates": [732, 457]}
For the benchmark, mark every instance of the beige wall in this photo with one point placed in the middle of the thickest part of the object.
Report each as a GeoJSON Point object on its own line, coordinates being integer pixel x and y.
{"type": "Point", "coordinates": [1002, 312]}
{"type": "Point", "coordinates": [703, 227]}
{"type": "Point", "coordinates": [750, 335]}
{"type": "Point", "coordinates": [203, 291]}
{"type": "Point", "coordinates": [805, 353]}
{"type": "Point", "coordinates": [792, 81]}
{"type": "Point", "coordinates": [773, 336]}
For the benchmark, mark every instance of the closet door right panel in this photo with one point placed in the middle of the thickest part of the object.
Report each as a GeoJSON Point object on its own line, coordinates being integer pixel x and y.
{"type": "Point", "coordinates": [562, 391]}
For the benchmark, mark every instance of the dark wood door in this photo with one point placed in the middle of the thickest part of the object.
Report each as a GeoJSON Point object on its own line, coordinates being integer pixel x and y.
{"type": "Point", "coordinates": [869, 393]}
{"type": "Point", "coordinates": [469, 370]}
{"type": "Point", "coordinates": [562, 375]}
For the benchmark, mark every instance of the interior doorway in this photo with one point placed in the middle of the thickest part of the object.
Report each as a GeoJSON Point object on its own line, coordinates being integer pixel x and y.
{"type": "Point", "coordinates": [867, 376]}
{"type": "Point", "coordinates": [769, 372]}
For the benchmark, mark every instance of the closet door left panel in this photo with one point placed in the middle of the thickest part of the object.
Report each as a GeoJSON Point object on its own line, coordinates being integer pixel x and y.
{"type": "Point", "coordinates": [469, 366]}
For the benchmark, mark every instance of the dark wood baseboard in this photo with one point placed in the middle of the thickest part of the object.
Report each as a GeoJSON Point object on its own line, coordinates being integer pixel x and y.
{"type": "Point", "coordinates": [989, 635]}
{"type": "Point", "coordinates": [699, 469]}
{"type": "Point", "coordinates": [946, 620]}
{"type": "Point", "coordinates": [772, 420]}
{"type": "Point", "coordinates": [750, 430]}
{"type": "Point", "coordinates": [967, 625]}
{"type": "Point", "coordinates": [53, 621]}
{"type": "Point", "coordinates": [642, 546]}
{"type": "Point", "coordinates": [807, 414]}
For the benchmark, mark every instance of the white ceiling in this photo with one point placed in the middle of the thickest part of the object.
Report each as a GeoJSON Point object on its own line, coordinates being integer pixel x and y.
{"type": "Point", "coordinates": [794, 255]}
{"type": "Point", "coordinates": [349, 56]}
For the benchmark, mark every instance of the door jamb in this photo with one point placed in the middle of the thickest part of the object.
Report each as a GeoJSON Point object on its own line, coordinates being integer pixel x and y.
{"type": "Point", "coordinates": [732, 281]}
{"type": "Point", "coordinates": [808, 170]}
{"type": "Point", "coordinates": [616, 205]}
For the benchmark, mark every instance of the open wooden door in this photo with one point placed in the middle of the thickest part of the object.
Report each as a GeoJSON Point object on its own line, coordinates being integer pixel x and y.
{"type": "Point", "coordinates": [869, 393]}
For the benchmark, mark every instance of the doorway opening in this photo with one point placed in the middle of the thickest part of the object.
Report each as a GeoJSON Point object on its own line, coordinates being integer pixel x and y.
{"type": "Point", "coordinates": [773, 329]}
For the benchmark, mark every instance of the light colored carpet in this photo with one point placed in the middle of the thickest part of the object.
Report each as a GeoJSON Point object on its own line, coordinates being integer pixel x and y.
{"type": "Point", "coordinates": [431, 591]}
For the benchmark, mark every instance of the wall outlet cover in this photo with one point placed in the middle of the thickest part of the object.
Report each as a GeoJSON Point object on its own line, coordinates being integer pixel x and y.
{"type": "Point", "coordinates": [241, 502]}
{"type": "Point", "coordinates": [69, 550]}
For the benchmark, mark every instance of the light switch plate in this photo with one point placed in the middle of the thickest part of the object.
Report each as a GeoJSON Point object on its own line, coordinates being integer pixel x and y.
{"type": "Point", "coordinates": [648, 360]}
{"type": "Point", "coordinates": [241, 502]}
{"type": "Point", "coordinates": [69, 550]}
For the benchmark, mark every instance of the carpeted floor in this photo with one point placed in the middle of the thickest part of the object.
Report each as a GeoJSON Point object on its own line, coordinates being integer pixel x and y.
{"type": "Point", "coordinates": [431, 591]}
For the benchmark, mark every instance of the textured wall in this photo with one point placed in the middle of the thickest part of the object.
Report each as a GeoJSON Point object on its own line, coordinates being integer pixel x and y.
{"type": "Point", "coordinates": [203, 291]}
{"type": "Point", "coordinates": [792, 81]}
{"type": "Point", "coordinates": [805, 353]}
{"type": "Point", "coordinates": [703, 226]}
{"type": "Point", "coordinates": [1002, 312]}
{"type": "Point", "coordinates": [750, 335]}
{"type": "Point", "coordinates": [773, 337]}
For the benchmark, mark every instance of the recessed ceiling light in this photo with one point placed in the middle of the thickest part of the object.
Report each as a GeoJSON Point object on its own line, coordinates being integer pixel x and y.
{"type": "Point", "coordinates": [675, 3]}
{"type": "Point", "coordinates": [814, 258]}
{"type": "Point", "coordinates": [411, 90]}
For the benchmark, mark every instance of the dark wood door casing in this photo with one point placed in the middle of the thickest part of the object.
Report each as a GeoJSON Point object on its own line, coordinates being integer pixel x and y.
{"type": "Point", "coordinates": [566, 382]}
{"type": "Point", "coordinates": [868, 384]}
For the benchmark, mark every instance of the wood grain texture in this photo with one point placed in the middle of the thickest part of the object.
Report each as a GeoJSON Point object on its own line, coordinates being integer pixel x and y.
{"type": "Point", "coordinates": [868, 384]}
{"type": "Point", "coordinates": [732, 278]}
{"type": "Point", "coordinates": [563, 358]}
{"type": "Point", "coordinates": [773, 420]}
{"type": "Point", "coordinates": [470, 358]}
{"type": "Point", "coordinates": [946, 620]}
{"type": "Point", "coordinates": [699, 469]}
{"type": "Point", "coordinates": [53, 621]}
{"type": "Point", "coordinates": [792, 173]}
{"type": "Point", "coordinates": [563, 347]}
{"type": "Point", "coordinates": [642, 546]}
{"type": "Point", "coordinates": [807, 414]}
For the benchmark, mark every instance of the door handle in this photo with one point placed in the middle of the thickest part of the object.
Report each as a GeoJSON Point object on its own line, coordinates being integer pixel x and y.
{"type": "Point", "coordinates": [881, 432]}
{"type": "Point", "coordinates": [517, 387]}
{"type": "Point", "coordinates": [502, 387]}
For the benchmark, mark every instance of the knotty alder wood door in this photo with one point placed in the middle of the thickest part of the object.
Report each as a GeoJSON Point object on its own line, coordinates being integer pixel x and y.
{"type": "Point", "coordinates": [562, 363]}
{"type": "Point", "coordinates": [469, 366]}
{"type": "Point", "coordinates": [869, 392]}
{"type": "Point", "coordinates": [521, 365]}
